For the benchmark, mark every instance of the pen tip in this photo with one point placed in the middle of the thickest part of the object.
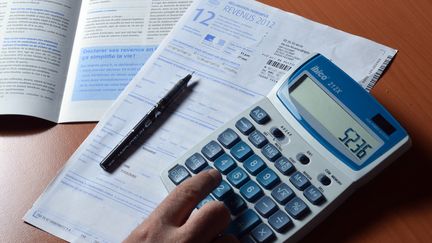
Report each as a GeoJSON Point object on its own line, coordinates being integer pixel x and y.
{"type": "Point", "coordinates": [186, 79]}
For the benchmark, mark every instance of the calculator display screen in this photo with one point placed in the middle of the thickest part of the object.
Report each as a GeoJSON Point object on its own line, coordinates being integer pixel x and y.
{"type": "Point", "coordinates": [344, 129]}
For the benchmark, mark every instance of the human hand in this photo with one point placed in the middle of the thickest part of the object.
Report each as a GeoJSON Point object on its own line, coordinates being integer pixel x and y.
{"type": "Point", "coordinates": [172, 221]}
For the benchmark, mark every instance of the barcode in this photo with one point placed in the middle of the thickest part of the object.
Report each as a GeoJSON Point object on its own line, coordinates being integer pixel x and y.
{"type": "Point", "coordinates": [278, 65]}
{"type": "Point", "coordinates": [379, 72]}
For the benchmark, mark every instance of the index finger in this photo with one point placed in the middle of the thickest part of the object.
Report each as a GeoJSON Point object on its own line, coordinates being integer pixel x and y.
{"type": "Point", "coordinates": [179, 204]}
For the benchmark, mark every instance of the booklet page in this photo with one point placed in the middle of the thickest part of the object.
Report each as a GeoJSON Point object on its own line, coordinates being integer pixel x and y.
{"type": "Point", "coordinates": [114, 39]}
{"type": "Point", "coordinates": [35, 44]}
{"type": "Point", "coordinates": [237, 49]}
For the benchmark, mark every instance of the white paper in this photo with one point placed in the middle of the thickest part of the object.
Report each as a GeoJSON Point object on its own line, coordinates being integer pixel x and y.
{"type": "Point", "coordinates": [68, 60]}
{"type": "Point", "coordinates": [36, 40]}
{"type": "Point", "coordinates": [237, 51]}
{"type": "Point", "coordinates": [114, 40]}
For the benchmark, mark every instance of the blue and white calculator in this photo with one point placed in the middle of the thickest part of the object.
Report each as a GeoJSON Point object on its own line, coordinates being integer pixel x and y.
{"type": "Point", "coordinates": [293, 157]}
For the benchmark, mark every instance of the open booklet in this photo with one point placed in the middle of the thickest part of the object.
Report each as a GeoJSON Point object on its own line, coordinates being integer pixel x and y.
{"type": "Point", "coordinates": [68, 60]}
{"type": "Point", "coordinates": [238, 50]}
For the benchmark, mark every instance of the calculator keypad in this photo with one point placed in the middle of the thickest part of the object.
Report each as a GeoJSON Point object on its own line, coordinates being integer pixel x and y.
{"type": "Point", "coordinates": [244, 223]}
{"type": "Point", "coordinates": [196, 163]}
{"type": "Point", "coordinates": [313, 195]}
{"type": "Point", "coordinates": [284, 166]}
{"type": "Point", "coordinates": [241, 151]}
{"type": "Point", "coordinates": [251, 191]}
{"type": "Point", "coordinates": [254, 164]}
{"type": "Point", "coordinates": [280, 221]}
{"type": "Point", "coordinates": [249, 179]}
{"type": "Point", "coordinates": [258, 139]}
{"type": "Point", "coordinates": [266, 206]}
{"type": "Point", "coordinates": [222, 191]}
{"type": "Point", "coordinates": [228, 138]}
{"type": "Point", "coordinates": [259, 115]}
{"type": "Point", "coordinates": [225, 164]}
{"type": "Point", "coordinates": [178, 174]}
{"type": "Point", "coordinates": [297, 208]}
{"type": "Point", "coordinates": [235, 204]}
{"type": "Point", "coordinates": [263, 233]}
{"type": "Point", "coordinates": [271, 152]}
{"type": "Point", "coordinates": [244, 126]}
{"type": "Point", "coordinates": [299, 180]}
{"type": "Point", "coordinates": [212, 150]}
{"type": "Point", "coordinates": [238, 177]}
{"type": "Point", "coordinates": [282, 193]}
{"type": "Point", "coordinates": [247, 239]}
{"type": "Point", "coordinates": [268, 178]}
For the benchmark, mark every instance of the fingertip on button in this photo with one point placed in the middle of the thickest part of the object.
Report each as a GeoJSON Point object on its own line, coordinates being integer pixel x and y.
{"type": "Point", "coordinates": [215, 174]}
{"type": "Point", "coordinates": [210, 177]}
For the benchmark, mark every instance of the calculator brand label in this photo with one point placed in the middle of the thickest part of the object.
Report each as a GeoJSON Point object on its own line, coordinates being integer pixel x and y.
{"type": "Point", "coordinates": [319, 72]}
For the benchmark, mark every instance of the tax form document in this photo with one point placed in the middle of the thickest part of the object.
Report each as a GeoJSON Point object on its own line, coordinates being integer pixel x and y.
{"type": "Point", "coordinates": [237, 49]}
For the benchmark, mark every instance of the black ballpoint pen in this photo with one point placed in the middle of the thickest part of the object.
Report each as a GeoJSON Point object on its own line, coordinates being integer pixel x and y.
{"type": "Point", "coordinates": [115, 157]}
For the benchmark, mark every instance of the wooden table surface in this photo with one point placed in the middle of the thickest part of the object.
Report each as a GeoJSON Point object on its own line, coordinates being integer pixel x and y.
{"type": "Point", "coordinates": [394, 207]}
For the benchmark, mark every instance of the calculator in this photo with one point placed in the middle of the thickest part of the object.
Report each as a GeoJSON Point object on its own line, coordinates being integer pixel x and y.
{"type": "Point", "coordinates": [290, 159]}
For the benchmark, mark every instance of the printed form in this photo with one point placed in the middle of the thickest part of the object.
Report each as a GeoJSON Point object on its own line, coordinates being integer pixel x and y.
{"type": "Point", "coordinates": [114, 39]}
{"type": "Point", "coordinates": [238, 50]}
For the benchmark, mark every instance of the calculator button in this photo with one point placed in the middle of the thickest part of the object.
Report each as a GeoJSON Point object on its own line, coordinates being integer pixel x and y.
{"type": "Point", "coordinates": [282, 193]}
{"type": "Point", "coordinates": [254, 164]}
{"type": "Point", "coordinates": [241, 151]}
{"type": "Point", "coordinates": [271, 152]}
{"type": "Point", "coordinates": [238, 177]}
{"type": "Point", "coordinates": [204, 201]}
{"type": "Point", "coordinates": [235, 204]}
{"type": "Point", "coordinates": [280, 221]}
{"type": "Point", "coordinates": [263, 233]}
{"type": "Point", "coordinates": [208, 167]}
{"type": "Point", "coordinates": [325, 180]}
{"type": "Point", "coordinates": [212, 150]}
{"type": "Point", "coordinates": [267, 178]}
{"type": "Point", "coordinates": [258, 139]}
{"type": "Point", "coordinates": [314, 195]}
{"type": "Point", "coordinates": [266, 206]}
{"type": "Point", "coordinates": [196, 163]}
{"type": "Point", "coordinates": [277, 133]}
{"type": "Point", "coordinates": [284, 166]}
{"type": "Point", "coordinates": [244, 223]}
{"type": "Point", "coordinates": [247, 239]}
{"type": "Point", "coordinates": [245, 126]}
{"type": "Point", "coordinates": [228, 138]}
{"type": "Point", "coordinates": [178, 174]}
{"type": "Point", "coordinates": [259, 115]}
{"type": "Point", "coordinates": [297, 208]}
{"type": "Point", "coordinates": [222, 191]}
{"type": "Point", "coordinates": [299, 180]}
{"type": "Point", "coordinates": [251, 191]}
{"type": "Point", "coordinates": [302, 158]}
{"type": "Point", "coordinates": [225, 164]}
